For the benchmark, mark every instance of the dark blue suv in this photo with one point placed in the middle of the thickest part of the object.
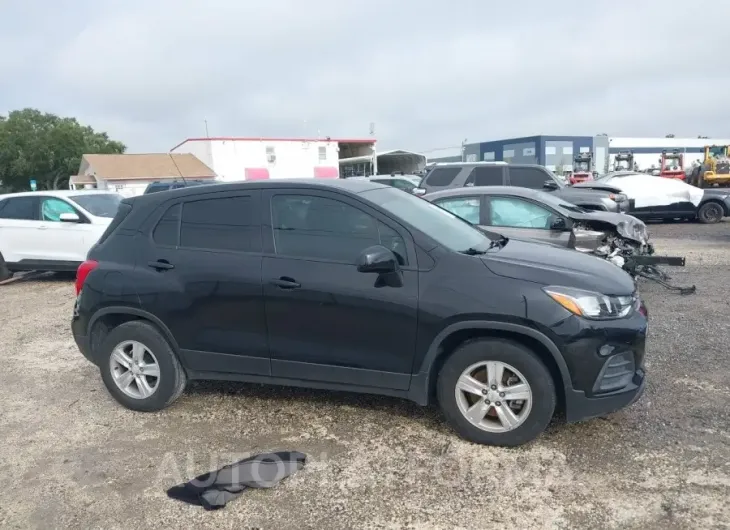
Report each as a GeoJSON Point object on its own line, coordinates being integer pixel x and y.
{"type": "Point", "coordinates": [357, 286]}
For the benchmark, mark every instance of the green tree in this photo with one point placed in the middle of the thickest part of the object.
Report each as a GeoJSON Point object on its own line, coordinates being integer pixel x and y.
{"type": "Point", "coordinates": [47, 148]}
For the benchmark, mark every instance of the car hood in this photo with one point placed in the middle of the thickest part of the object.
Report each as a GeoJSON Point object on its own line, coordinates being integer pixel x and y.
{"type": "Point", "coordinates": [549, 265]}
{"type": "Point", "coordinates": [627, 226]}
{"type": "Point", "coordinates": [572, 193]}
{"type": "Point", "coordinates": [596, 186]}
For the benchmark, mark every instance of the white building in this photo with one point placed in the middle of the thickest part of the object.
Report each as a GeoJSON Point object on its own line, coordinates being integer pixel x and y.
{"type": "Point", "coordinates": [130, 174]}
{"type": "Point", "coordinates": [235, 159]}
{"type": "Point", "coordinates": [648, 151]}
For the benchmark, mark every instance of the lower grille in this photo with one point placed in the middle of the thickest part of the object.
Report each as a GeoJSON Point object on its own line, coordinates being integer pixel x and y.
{"type": "Point", "coordinates": [616, 373]}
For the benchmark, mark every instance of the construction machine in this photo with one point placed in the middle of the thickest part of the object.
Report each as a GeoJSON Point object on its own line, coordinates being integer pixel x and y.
{"type": "Point", "coordinates": [582, 168]}
{"type": "Point", "coordinates": [671, 165]}
{"type": "Point", "coordinates": [715, 168]}
{"type": "Point", "coordinates": [624, 161]}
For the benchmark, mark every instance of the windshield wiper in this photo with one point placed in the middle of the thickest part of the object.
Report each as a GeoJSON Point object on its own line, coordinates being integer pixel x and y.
{"type": "Point", "coordinates": [473, 251]}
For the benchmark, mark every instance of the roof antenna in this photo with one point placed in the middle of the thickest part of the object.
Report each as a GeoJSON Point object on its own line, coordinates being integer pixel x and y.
{"type": "Point", "coordinates": [178, 169]}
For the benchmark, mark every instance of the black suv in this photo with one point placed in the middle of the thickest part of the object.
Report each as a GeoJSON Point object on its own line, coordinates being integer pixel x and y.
{"type": "Point", "coordinates": [459, 174]}
{"type": "Point", "coordinates": [352, 285]}
{"type": "Point", "coordinates": [165, 185]}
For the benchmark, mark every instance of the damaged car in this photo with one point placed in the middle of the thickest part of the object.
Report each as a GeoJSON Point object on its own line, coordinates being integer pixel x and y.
{"type": "Point", "coordinates": [664, 198]}
{"type": "Point", "coordinates": [526, 214]}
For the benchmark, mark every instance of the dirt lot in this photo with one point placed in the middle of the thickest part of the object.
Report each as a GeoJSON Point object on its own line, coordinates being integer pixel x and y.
{"type": "Point", "coordinates": [71, 457]}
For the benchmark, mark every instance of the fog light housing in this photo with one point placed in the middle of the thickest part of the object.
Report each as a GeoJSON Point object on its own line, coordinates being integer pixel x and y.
{"type": "Point", "coordinates": [617, 372]}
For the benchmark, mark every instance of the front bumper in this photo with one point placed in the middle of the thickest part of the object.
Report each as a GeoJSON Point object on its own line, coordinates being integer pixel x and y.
{"type": "Point", "coordinates": [606, 363]}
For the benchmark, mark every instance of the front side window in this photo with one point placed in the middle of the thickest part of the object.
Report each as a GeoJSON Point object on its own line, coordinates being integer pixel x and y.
{"type": "Point", "coordinates": [20, 209]}
{"type": "Point", "coordinates": [517, 213]}
{"type": "Point", "coordinates": [52, 208]}
{"type": "Point", "coordinates": [320, 228]}
{"type": "Point", "coordinates": [468, 208]}
{"type": "Point", "coordinates": [225, 223]}
{"type": "Point", "coordinates": [527, 177]}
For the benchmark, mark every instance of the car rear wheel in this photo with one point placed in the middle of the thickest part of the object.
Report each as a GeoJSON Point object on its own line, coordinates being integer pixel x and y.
{"type": "Point", "coordinates": [4, 272]}
{"type": "Point", "coordinates": [710, 213]}
{"type": "Point", "coordinates": [140, 368]}
{"type": "Point", "coordinates": [496, 392]}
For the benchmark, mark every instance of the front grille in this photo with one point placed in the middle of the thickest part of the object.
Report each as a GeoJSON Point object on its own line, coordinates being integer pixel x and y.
{"type": "Point", "coordinates": [616, 373]}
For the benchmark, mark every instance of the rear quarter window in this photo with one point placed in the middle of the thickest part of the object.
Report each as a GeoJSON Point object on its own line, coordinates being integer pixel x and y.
{"type": "Point", "coordinates": [442, 176]}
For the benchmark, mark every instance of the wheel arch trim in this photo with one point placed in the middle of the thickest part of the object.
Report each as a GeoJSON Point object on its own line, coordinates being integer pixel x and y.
{"type": "Point", "coordinates": [421, 380]}
{"type": "Point", "coordinates": [126, 310]}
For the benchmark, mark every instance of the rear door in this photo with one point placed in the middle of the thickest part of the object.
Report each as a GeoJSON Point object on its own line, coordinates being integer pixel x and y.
{"type": "Point", "coordinates": [524, 219]}
{"type": "Point", "coordinates": [201, 275]}
{"type": "Point", "coordinates": [18, 223]}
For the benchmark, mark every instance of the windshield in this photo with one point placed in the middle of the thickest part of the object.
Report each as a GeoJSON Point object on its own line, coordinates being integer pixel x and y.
{"type": "Point", "coordinates": [99, 204]}
{"type": "Point", "coordinates": [444, 227]}
{"type": "Point", "coordinates": [582, 166]}
{"type": "Point", "coordinates": [717, 151]}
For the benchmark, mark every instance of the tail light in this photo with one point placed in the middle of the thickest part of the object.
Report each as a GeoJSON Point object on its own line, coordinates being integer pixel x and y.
{"type": "Point", "coordinates": [83, 271]}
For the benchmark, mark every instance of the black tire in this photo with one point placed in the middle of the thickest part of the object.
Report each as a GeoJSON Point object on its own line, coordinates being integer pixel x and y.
{"type": "Point", "coordinates": [4, 272]}
{"type": "Point", "coordinates": [172, 378]}
{"type": "Point", "coordinates": [523, 360]}
{"type": "Point", "coordinates": [710, 213]}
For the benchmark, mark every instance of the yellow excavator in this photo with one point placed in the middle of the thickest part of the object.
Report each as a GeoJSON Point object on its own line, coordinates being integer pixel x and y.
{"type": "Point", "coordinates": [715, 168]}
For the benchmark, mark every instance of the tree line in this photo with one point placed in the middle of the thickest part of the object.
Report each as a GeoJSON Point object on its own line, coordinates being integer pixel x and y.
{"type": "Point", "coordinates": [47, 148]}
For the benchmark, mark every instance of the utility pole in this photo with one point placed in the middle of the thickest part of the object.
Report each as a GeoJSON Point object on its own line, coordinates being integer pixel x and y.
{"type": "Point", "coordinates": [375, 155]}
{"type": "Point", "coordinates": [207, 134]}
{"type": "Point", "coordinates": [463, 149]}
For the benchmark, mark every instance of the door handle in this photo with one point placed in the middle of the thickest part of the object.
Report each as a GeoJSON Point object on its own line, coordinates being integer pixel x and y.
{"type": "Point", "coordinates": [161, 265]}
{"type": "Point", "coordinates": [286, 283]}
{"type": "Point", "coordinates": [43, 227]}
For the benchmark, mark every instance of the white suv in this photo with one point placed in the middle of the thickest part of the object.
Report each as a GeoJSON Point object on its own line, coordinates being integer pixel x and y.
{"type": "Point", "coordinates": [52, 230]}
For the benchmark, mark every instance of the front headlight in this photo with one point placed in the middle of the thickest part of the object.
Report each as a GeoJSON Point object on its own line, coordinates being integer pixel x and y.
{"type": "Point", "coordinates": [618, 197]}
{"type": "Point", "coordinates": [588, 304]}
{"type": "Point", "coordinates": [635, 230]}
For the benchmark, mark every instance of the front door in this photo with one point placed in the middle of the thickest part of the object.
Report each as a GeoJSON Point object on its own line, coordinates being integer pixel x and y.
{"type": "Point", "coordinates": [524, 219]}
{"type": "Point", "coordinates": [59, 241]}
{"type": "Point", "coordinates": [203, 280]}
{"type": "Point", "coordinates": [326, 321]}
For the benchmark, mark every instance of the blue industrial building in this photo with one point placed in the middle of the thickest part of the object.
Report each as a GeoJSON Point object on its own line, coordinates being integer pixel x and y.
{"type": "Point", "coordinates": [552, 152]}
{"type": "Point", "coordinates": [558, 152]}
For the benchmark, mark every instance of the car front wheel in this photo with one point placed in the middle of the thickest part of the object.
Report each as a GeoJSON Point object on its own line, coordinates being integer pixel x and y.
{"type": "Point", "coordinates": [496, 392]}
{"type": "Point", "coordinates": [139, 367]}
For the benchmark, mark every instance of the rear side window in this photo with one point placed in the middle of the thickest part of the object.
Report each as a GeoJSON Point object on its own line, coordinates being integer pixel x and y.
{"type": "Point", "coordinates": [122, 211]}
{"type": "Point", "coordinates": [486, 176]}
{"type": "Point", "coordinates": [442, 176]}
{"type": "Point", "coordinates": [20, 208]}
{"type": "Point", "coordinates": [527, 177]}
{"type": "Point", "coordinates": [167, 231]}
{"type": "Point", "coordinates": [220, 224]}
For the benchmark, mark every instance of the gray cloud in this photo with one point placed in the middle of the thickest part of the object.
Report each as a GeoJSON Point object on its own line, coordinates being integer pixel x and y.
{"type": "Point", "coordinates": [428, 73]}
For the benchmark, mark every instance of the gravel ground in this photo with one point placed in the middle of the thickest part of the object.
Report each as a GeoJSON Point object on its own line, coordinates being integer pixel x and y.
{"type": "Point", "coordinates": [72, 458]}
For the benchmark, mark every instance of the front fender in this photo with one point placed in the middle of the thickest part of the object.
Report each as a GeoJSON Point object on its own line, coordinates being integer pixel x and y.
{"type": "Point", "coordinates": [421, 381]}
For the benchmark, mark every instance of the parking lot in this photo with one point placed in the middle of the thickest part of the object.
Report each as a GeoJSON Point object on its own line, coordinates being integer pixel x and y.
{"type": "Point", "coordinates": [72, 457]}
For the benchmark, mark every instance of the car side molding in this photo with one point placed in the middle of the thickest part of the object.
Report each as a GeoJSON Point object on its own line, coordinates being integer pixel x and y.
{"type": "Point", "coordinates": [421, 381]}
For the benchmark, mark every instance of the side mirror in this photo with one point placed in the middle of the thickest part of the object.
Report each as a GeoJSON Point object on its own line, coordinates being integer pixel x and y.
{"type": "Point", "coordinates": [550, 185]}
{"type": "Point", "coordinates": [377, 259]}
{"type": "Point", "coordinates": [69, 217]}
{"type": "Point", "coordinates": [419, 191]}
{"type": "Point", "coordinates": [558, 224]}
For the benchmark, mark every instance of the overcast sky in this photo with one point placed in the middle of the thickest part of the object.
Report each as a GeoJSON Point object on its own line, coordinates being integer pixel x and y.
{"type": "Point", "coordinates": [428, 73]}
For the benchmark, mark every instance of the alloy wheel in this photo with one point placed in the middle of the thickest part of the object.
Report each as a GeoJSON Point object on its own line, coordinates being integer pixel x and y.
{"type": "Point", "coordinates": [134, 369]}
{"type": "Point", "coordinates": [494, 396]}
